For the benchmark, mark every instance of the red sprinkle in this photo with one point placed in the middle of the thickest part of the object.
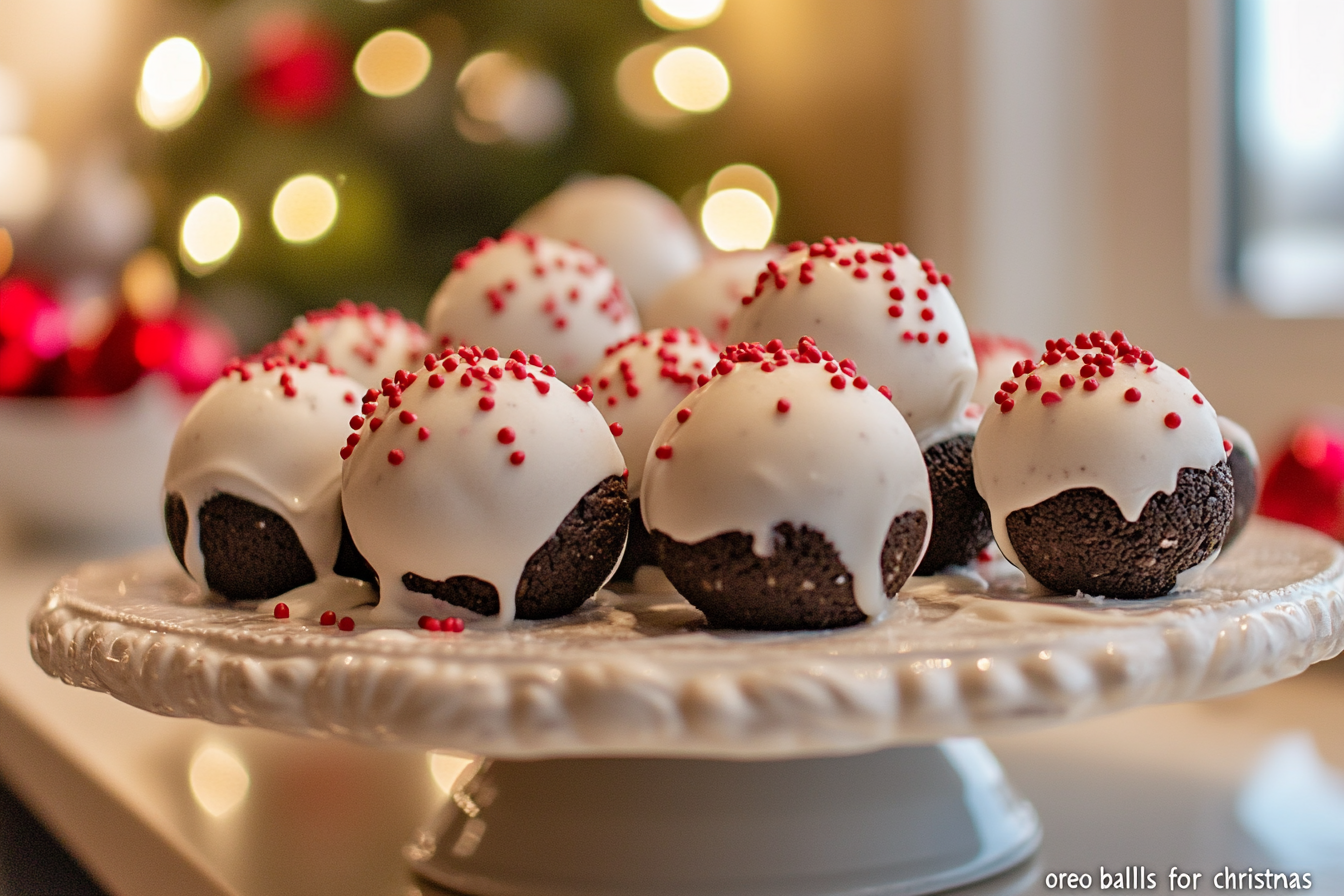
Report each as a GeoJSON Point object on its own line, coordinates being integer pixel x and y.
{"type": "Point", "coordinates": [783, 405]}
{"type": "Point", "coordinates": [1067, 381]}
{"type": "Point", "coordinates": [396, 456]}
{"type": "Point", "coordinates": [506, 436]}
{"type": "Point", "coordinates": [1227, 447]}
{"type": "Point", "coordinates": [1006, 406]}
{"type": "Point", "coordinates": [486, 403]}
{"type": "Point", "coordinates": [860, 382]}
{"type": "Point", "coordinates": [1050, 398]}
{"type": "Point", "coordinates": [1033, 383]}
{"type": "Point", "coordinates": [927, 314]}
{"type": "Point", "coordinates": [451, 624]}
{"type": "Point", "coordinates": [838, 382]}
{"type": "Point", "coordinates": [356, 422]}
{"type": "Point", "coordinates": [683, 415]}
{"type": "Point", "coordinates": [435, 381]}
{"type": "Point", "coordinates": [517, 457]}
{"type": "Point", "coordinates": [895, 310]}
{"type": "Point", "coordinates": [585, 393]}
{"type": "Point", "coordinates": [1132, 394]}
{"type": "Point", "coordinates": [327, 618]}
{"type": "Point", "coordinates": [1172, 420]}
{"type": "Point", "coordinates": [663, 452]}
{"type": "Point", "coordinates": [1183, 372]}
{"type": "Point", "coordinates": [424, 433]}
{"type": "Point", "coordinates": [346, 624]}
{"type": "Point", "coordinates": [1199, 399]}
{"type": "Point", "coordinates": [406, 417]}
{"type": "Point", "coordinates": [429, 624]}
{"type": "Point", "coordinates": [282, 611]}
{"type": "Point", "coordinates": [1090, 385]}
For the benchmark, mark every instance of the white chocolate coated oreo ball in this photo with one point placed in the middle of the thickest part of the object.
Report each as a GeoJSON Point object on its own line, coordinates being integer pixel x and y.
{"type": "Point", "coordinates": [541, 295]}
{"type": "Point", "coordinates": [881, 306]}
{"type": "Point", "coordinates": [642, 380]}
{"type": "Point", "coordinates": [1096, 412]}
{"type": "Point", "coordinates": [629, 224]}
{"type": "Point", "coordinates": [708, 297]}
{"type": "Point", "coordinates": [362, 341]}
{"type": "Point", "coordinates": [465, 468]}
{"type": "Point", "coordinates": [788, 437]}
{"type": "Point", "coordinates": [268, 432]}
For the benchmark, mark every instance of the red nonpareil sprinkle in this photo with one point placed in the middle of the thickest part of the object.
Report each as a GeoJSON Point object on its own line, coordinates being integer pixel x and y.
{"type": "Point", "coordinates": [774, 345]}
{"type": "Point", "coordinates": [506, 435]}
{"type": "Point", "coordinates": [346, 624]}
{"type": "Point", "coordinates": [616, 429]}
{"type": "Point", "coordinates": [282, 611]}
{"type": "Point", "coordinates": [1172, 420]}
{"type": "Point", "coordinates": [927, 314]}
{"type": "Point", "coordinates": [375, 423]}
{"type": "Point", "coordinates": [886, 393]}
{"type": "Point", "coordinates": [683, 415]}
{"type": "Point", "coordinates": [724, 367]}
{"type": "Point", "coordinates": [1050, 398]}
{"type": "Point", "coordinates": [923, 338]}
{"type": "Point", "coordinates": [451, 624]}
{"type": "Point", "coordinates": [860, 273]}
{"type": "Point", "coordinates": [429, 624]}
{"type": "Point", "coordinates": [356, 422]}
{"type": "Point", "coordinates": [783, 405]}
{"type": "Point", "coordinates": [585, 392]}
{"type": "Point", "coordinates": [1199, 399]}
{"type": "Point", "coordinates": [327, 618]}
{"type": "Point", "coordinates": [1033, 383]}
{"type": "Point", "coordinates": [1008, 386]}
{"type": "Point", "coordinates": [663, 452]}
{"type": "Point", "coordinates": [1090, 385]}
{"type": "Point", "coordinates": [1018, 369]}
{"type": "Point", "coordinates": [860, 382]}
{"type": "Point", "coordinates": [896, 293]}
{"type": "Point", "coordinates": [396, 456]}
{"type": "Point", "coordinates": [942, 337]}
{"type": "Point", "coordinates": [517, 457]}
{"type": "Point", "coordinates": [1066, 381]}
{"type": "Point", "coordinates": [900, 249]}
{"type": "Point", "coordinates": [1087, 370]}
{"type": "Point", "coordinates": [349, 398]}
{"type": "Point", "coordinates": [423, 434]}
{"type": "Point", "coordinates": [895, 310]}
{"type": "Point", "coordinates": [407, 417]}
{"type": "Point", "coordinates": [435, 381]}
{"type": "Point", "coordinates": [346, 452]}
{"type": "Point", "coordinates": [1183, 372]}
{"type": "Point", "coordinates": [923, 294]}
{"type": "Point", "coordinates": [837, 382]}
{"type": "Point", "coordinates": [1132, 394]}
{"type": "Point", "coordinates": [946, 279]}
{"type": "Point", "coordinates": [1006, 406]}
{"type": "Point", "coordinates": [368, 408]}
{"type": "Point", "coordinates": [542, 386]}
{"type": "Point", "coordinates": [486, 403]}
{"type": "Point", "coordinates": [1227, 447]}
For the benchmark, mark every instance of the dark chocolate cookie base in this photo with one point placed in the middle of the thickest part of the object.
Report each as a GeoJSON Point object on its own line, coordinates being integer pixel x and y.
{"type": "Point", "coordinates": [638, 547]}
{"type": "Point", "coordinates": [1079, 541]}
{"type": "Point", "coordinates": [250, 552]}
{"type": "Point", "coordinates": [801, 585]}
{"type": "Point", "coordinates": [961, 525]}
{"type": "Point", "coordinates": [1245, 491]}
{"type": "Point", "coordinates": [561, 574]}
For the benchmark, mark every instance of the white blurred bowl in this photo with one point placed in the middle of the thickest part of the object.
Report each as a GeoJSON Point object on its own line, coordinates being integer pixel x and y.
{"type": "Point", "coordinates": [89, 467]}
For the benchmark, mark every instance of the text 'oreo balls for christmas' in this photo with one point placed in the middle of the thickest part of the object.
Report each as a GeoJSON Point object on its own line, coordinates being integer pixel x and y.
{"type": "Point", "coordinates": [541, 295]}
{"type": "Point", "coordinates": [638, 384]}
{"type": "Point", "coordinates": [485, 483]}
{"type": "Point", "coordinates": [252, 494]}
{"type": "Point", "coordinates": [894, 315]}
{"type": "Point", "coordinates": [1104, 469]}
{"type": "Point", "coordinates": [364, 342]}
{"type": "Point", "coordinates": [786, 493]}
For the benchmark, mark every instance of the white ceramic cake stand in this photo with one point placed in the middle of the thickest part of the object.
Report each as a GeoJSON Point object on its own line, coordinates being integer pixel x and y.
{"type": "Point", "coordinates": [634, 752]}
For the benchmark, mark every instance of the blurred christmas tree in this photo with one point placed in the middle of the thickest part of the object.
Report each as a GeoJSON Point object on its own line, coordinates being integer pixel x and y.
{"type": "Point", "coordinates": [414, 164]}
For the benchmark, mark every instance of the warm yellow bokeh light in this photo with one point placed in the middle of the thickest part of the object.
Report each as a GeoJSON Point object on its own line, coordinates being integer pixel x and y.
{"type": "Point", "coordinates": [25, 180]}
{"type": "Point", "coordinates": [679, 15]}
{"type": "Point", "coordinates": [210, 232]}
{"type": "Point", "coordinates": [148, 284]}
{"type": "Point", "coordinates": [445, 769]}
{"type": "Point", "coordinates": [692, 78]}
{"type": "Point", "coordinates": [172, 84]}
{"type": "Point", "coordinates": [737, 219]}
{"type": "Point", "coordinates": [746, 177]}
{"type": "Point", "coordinates": [392, 63]}
{"type": "Point", "coordinates": [304, 209]}
{"type": "Point", "coordinates": [639, 94]}
{"type": "Point", "coordinates": [219, 780]}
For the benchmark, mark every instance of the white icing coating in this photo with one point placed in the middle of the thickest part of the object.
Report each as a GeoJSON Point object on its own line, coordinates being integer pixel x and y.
{"type": "Point", "coordinates": [841, 294]}
{"type": "Point", "coordinates": [362, 341]}
{"type": "Point", "coordinates": [994, 358]}
{"type": "Point", "coordinates": [839, 460]}
{"type": "Point", "coordinates": [1091, 437]}
{"type": "Point", "coordinates": [535, 293]}
{"type": "Point", "coordinates": [269, 432]}
{"type": "Point", "coordinates": [1235, 433]}
{"type": "Point", "coordinates": [642, 380]}
{"type": "Point", "coordinates": [708, 297]}
{"type": "Point", "coordinates": [470, 476]}
{"type": "Point", "coordinates": [632, 226]}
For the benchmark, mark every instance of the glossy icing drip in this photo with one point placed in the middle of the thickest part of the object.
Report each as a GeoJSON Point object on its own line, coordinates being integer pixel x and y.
{"type": "Point", "coordinates": [268, 432]}
{"type": "Point", "coordinates": [787, 437]}
{"type": "Point", "coordinates": [878, 304]}
{"type": "Point", "coordinates": [466, 467]}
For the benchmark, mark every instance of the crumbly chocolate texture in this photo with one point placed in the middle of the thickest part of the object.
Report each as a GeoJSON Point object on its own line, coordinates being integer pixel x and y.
{"type": "Point", "coordinates": [801, 585]}
{"type": "Point", "coordinates": [1245, 492]}
{"type": "Point", "coordinates": [561, 574]}
{"type": "Point", "coordinates": [250, 552]}
{"type": "Point", "coordinates": [961, 525]}
{"type": "Point", "coordinates": [1079, 541]}
{"type": "Point", "coordinates": [638, 547]}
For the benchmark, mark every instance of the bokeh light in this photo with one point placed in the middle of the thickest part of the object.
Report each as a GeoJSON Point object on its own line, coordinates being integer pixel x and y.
{"type": "Point", "coordinates": [746, 177]}
{"type": "Point", "coordinates": [219, 780]}
{"type": "Point", "coordinates": [503, 97]}
{"type": "Point", "coordinates": [25, 180]}
{"type": "Point", "coordinates": [692, 78]}
{"type": "Point", "coordinates": [679, 15]}
{"type": "Point", "coordinates": [639, 94]}
{"type": "Point", "coordinates": [210, 233]}
{"type": "Point", "coordinates": [14, 105]}
{"type": "Point", "coordinates": [392, 63]}
{"type": "Point", "coordinates": [148, 284]}
{"type": "Point", "coordinates": [305, 208]}
{"type": "Point", "coordinates": [173, 83]}
{"type": "Point", "coordinates": [737, 219]}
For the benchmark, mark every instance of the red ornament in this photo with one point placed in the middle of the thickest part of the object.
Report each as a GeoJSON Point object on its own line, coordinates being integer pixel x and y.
{"type": "Point", "coordinates": [299, 68]}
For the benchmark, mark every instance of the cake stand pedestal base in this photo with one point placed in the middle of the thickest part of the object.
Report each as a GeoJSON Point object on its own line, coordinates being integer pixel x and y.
{"type": "Point", "coordinates": [897, 822]}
